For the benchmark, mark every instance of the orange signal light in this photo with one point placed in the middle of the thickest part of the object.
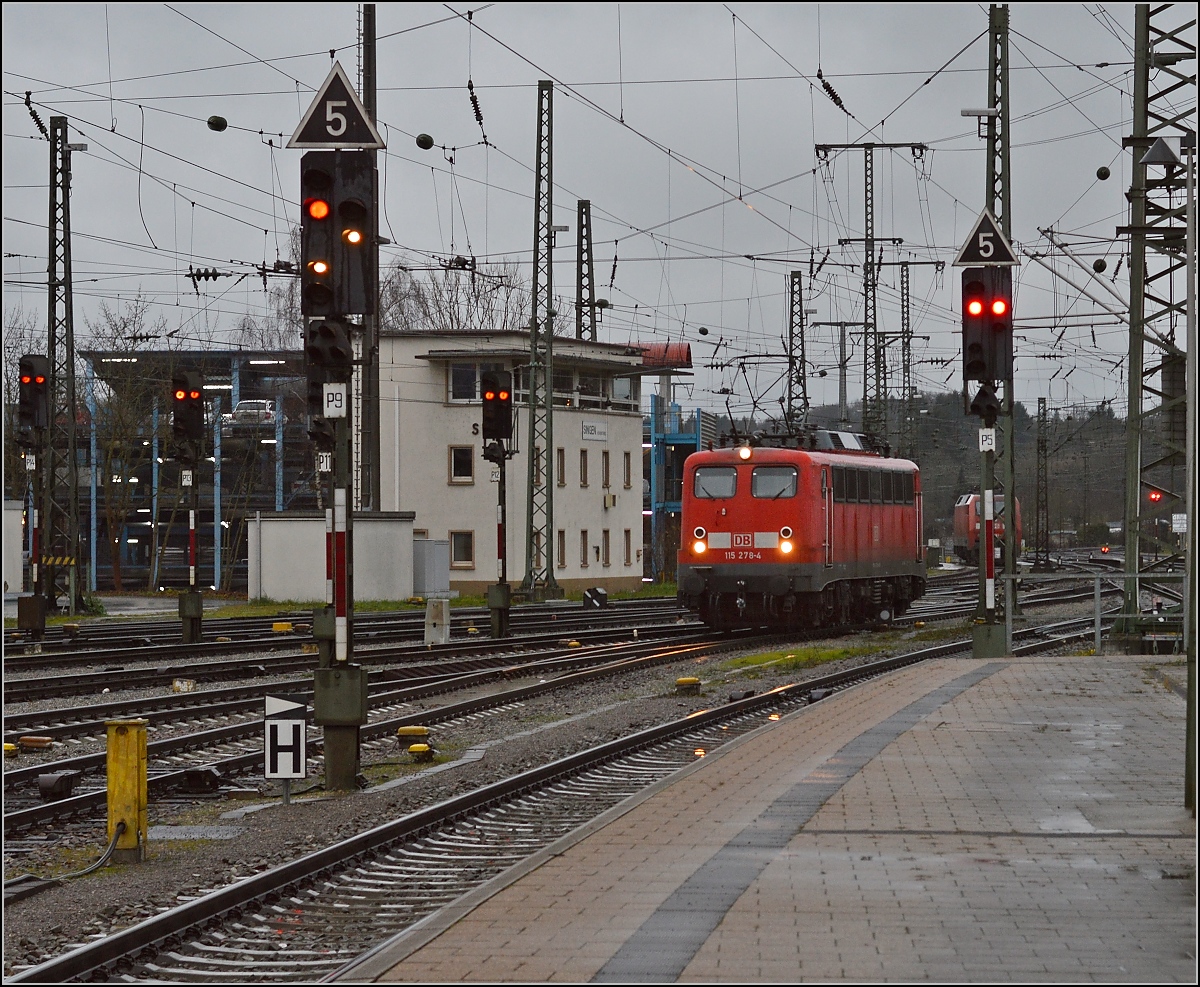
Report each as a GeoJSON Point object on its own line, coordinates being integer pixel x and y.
{"type": "Point", "coordinates": [317, 208]}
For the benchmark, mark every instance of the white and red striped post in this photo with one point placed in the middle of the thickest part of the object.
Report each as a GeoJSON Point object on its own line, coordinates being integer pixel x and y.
{"type": "Point", "coordinates": [340, 574]}
{"type": "Point", "coordinates": [192, 548]}
{"type": "Point", "coordinates": [988, 540]}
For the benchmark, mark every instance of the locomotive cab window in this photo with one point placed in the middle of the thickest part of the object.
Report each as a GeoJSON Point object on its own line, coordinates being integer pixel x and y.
{"type": "Point", "coordinates": [715, 482]}
{"type": "Point", "coordinates": [773, 482]}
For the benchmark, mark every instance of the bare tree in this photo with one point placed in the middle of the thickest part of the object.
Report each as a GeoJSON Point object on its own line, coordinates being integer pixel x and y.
{"type": "Point", "coordinates": [490, 297]}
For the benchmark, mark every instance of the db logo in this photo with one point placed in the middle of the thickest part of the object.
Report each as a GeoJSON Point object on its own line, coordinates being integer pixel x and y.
{"type": "Point", "coordinates": [743, 540]}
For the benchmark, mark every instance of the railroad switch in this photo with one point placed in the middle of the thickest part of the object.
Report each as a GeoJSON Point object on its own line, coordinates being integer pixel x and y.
{"type": "Point", "coordinates": [55, 785]}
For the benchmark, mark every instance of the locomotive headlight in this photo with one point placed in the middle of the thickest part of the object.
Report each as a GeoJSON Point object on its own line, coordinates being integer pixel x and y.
{"type": "Point", "coordinates": [698, 547]}
{"type": "Point", "coordinates": [698, 532]}
{"type": "Point", "coordinates": [785, 547]}
{"type": "Point", "coordinates": [743, 452]}
{"type": "Point", "coordinates": [785, 532]}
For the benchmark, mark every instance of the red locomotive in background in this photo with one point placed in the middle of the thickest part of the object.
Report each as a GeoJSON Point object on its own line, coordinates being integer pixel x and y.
{"type": "Point", "coordinates": [968, 522]}
{"type": "Point", "coordinates": [800, 531]}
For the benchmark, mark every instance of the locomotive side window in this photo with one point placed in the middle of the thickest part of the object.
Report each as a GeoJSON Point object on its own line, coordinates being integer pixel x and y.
{"type": "Point", "coordinates": [886, 484]}
{"type": "Point", "coordinates": [839, 484]}
{"type": "Point", "coordinates": [876, 487]}
{"type": "Point", "coordinates": [864, 486]}
{"type": "Point", "coordinates": [851, 486]}
{"type": "Point", "coordinates": [715, 482]}
{"type": "Point", "coordinates": [909, 494]}
{"type": "Point", "coordinates": [773, 482]}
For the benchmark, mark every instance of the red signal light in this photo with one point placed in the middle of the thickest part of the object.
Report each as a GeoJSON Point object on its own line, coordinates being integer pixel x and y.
{"type": "Point", "coordinates": [195, 395]}
{"type": "Point", "coordinates": [504, 395]}
{"type": "Point", "coordinates": [1155, 495]}
{"type": "Point", "coordinates": [999, 306]}
{"type": "Point", "coordinates": [975, 307]}
{"type": "Point", "coordinates": [317, 208]}
{"type": "Point", "coordinates": [25, 378]}
{"type": "Point", "coordinates": [39, 379]}
{"type": "Point", "coordinates": [180, 395]}
{"type": "Point", "coordinates": [489, 395]}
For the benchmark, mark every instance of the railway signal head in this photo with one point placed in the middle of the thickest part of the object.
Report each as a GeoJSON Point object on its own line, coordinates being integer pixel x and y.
{"type": "Point", "coordinates": [987, 314]}
{"type": "Point", "coordinates": [338, 248]}
{"type": "Point", "coordinates": [187, 418]}
{"type": "Point", "coordinates": [357, 259]}
{"type": "Point", "coordinates": [327, 345]}
{"type": "Point", "coordinates": [317, 233]}
{"type": "Point", "coordinates": [495, 388]}
{"type": "Point", "coordinates": [34, 392]}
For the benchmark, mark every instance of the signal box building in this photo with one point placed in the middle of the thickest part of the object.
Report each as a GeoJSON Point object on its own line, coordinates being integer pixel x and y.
{"type": "Point", "coordinates": [431, 458]}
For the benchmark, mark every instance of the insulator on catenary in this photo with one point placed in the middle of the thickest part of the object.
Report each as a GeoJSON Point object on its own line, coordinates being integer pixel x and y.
{"type": "Point", "coordinates": [475, 107]}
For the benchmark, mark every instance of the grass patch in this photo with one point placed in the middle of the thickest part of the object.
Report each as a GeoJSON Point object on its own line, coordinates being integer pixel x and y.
{"type": "Point", "coordinates": [797, 658]}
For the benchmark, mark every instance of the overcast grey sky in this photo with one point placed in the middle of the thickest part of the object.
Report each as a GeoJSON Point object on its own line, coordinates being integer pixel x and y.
{"type": "Point", "coordinates": [690, 127]}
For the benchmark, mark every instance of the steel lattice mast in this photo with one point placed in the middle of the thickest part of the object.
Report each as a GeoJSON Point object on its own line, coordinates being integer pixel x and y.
{"type": "Point", "coordinates": [999, 200]}
{"type": "Point", "coordinates": [60, 486]}
{"type": "Point", "coordinates": [539, 578]}
{"type": "Point", "coordinates": [585, 281]}
{"type": "Point", "coordinates": [1164, 96]}
{"type": "Point", "coordinates": [797, 379]}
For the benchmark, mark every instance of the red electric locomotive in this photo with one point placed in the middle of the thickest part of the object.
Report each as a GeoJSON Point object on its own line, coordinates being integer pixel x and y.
{"type": "Point", "coordinates": [800, 531]}
{"type": "Point", "coordinates": [968, 521]}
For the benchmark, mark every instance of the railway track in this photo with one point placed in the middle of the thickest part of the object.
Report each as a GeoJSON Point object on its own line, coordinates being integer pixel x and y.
{"type": "Point", "coordinates": [303, 920]}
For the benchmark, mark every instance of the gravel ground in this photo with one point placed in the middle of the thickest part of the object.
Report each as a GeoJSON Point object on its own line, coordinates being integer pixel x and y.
{"type": "Point", "coordinates": [269, 833]}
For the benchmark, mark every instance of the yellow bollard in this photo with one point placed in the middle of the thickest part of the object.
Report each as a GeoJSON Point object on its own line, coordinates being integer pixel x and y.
{"type": "Point", "coordinates": [128, 797]}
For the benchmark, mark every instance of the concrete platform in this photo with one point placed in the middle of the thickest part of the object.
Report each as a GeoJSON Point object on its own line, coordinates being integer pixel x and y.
{"type": "Point", "coordinates": [963, 821]}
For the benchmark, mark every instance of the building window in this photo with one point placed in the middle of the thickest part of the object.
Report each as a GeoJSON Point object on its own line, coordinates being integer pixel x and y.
{"type": "Point", "coordinates": [628, 470]}
{"type": "Point", "coordinates": [420, 532]}
{"type": "Point", "coordinates": [462, 381]}
{"type": "Point", "coordinates": [562, 549]}
{"type": "Point", "coordinates": [583, 549]}
{"type": "Point", "coordinates": [605, 470]}
{"type": "Point", "coordinates": [560, 466]}
{"type": "Point", "coordinates": [462, 464]}
{"type": "Point", "coordinates": [462, 549]}
{"type": "Point", "coordinates": [628, 547]}
{"type": "Point", "coordinates": [605, 548]}
{"type": "Point", "coordinates": [583, 477]}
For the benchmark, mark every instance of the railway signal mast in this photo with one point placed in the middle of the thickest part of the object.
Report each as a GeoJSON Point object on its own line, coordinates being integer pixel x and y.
{"type": "Point", "coordinates": [339, 279]}
{"type": "Point", "coordinates": [495, 388]}
{"type": "Point", "coordinates": [187, 428]}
